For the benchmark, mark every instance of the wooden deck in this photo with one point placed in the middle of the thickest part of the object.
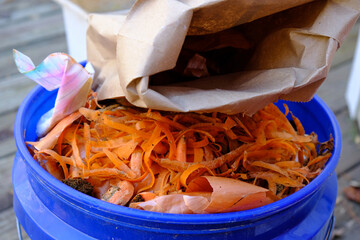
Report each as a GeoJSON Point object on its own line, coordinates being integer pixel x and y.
{"type": "Point", "coordinates": [35, 27]}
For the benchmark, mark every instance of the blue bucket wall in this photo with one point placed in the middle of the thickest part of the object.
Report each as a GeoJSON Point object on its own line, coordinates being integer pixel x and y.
{"type": "Point", "coordinates": [48, 209]}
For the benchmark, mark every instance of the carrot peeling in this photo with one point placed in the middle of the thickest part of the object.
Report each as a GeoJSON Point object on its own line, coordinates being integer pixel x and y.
{"type": "Point", "coordinates": [153, 154]}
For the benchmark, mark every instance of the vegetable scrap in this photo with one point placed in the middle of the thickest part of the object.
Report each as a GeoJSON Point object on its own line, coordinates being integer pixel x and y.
{"type": "Point", "coordinates": [79, 184]}
{"type": "Point", "coordinates": [57, 71]}
{"type": "Point", "coordinates": [183, 162]}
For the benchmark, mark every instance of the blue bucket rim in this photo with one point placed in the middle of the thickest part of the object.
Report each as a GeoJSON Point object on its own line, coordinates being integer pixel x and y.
{"type": "Point", "coordinates": [246, 215]}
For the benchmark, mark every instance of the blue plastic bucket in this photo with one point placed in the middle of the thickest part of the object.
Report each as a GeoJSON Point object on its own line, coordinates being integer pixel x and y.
{"type": "Point", "coordinates": [48, 209]}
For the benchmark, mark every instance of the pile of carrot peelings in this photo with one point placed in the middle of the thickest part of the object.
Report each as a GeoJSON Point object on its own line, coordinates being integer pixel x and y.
{"type": "Point", "coordinates": [183, 162]}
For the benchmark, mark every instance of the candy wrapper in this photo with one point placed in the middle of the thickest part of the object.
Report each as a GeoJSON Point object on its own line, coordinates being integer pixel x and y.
{"type": "Point", "coordinates": [282, 50]}
{"type": "Point", "coordinates": [57, 71]}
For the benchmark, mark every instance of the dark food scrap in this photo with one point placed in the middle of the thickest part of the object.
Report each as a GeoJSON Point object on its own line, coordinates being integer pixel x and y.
{"type": "Point", "coordinates": [138, 198]}
{"type": "Point", "coordinates": [352, 193]}
{"type": "Point", "coordinates": [79, 184]}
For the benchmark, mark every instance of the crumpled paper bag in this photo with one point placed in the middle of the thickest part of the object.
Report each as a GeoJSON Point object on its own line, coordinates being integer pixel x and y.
{"type": "Point", "coordinates": [294, 42]}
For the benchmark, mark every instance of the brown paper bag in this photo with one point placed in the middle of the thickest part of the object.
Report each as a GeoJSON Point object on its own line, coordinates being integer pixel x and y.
{"type": "Point", "coordinates": [293, 44]}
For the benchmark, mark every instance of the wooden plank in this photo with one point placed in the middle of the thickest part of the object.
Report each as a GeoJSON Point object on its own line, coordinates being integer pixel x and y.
{"type": "Point", "coordinates": [37, 51]}
{"type": "Point", "coordinates": [6, 193]}
{"type": "Point", "coordinates": [22, 33]}
{"type": "Point", "coordinates": [6, 125]}
{"type": "Point", "coordinates": [15, 10]}
{"type": "Point", "coordinates": [7, 142]}
{"type": "Point", "coordinates": [11, 5]}
{"type": "Point", "coordinates": [35, 11]}
{"type": "Point", "coordinates": [18, 86]}
{"type": "Point", "coordinates": [8, 228]}
{"type": "Point", "coordinates": [7, 147]}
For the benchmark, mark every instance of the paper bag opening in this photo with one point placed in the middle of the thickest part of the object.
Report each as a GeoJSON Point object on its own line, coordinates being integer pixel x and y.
{"type": "Point", "coordinates": [224, 56]}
